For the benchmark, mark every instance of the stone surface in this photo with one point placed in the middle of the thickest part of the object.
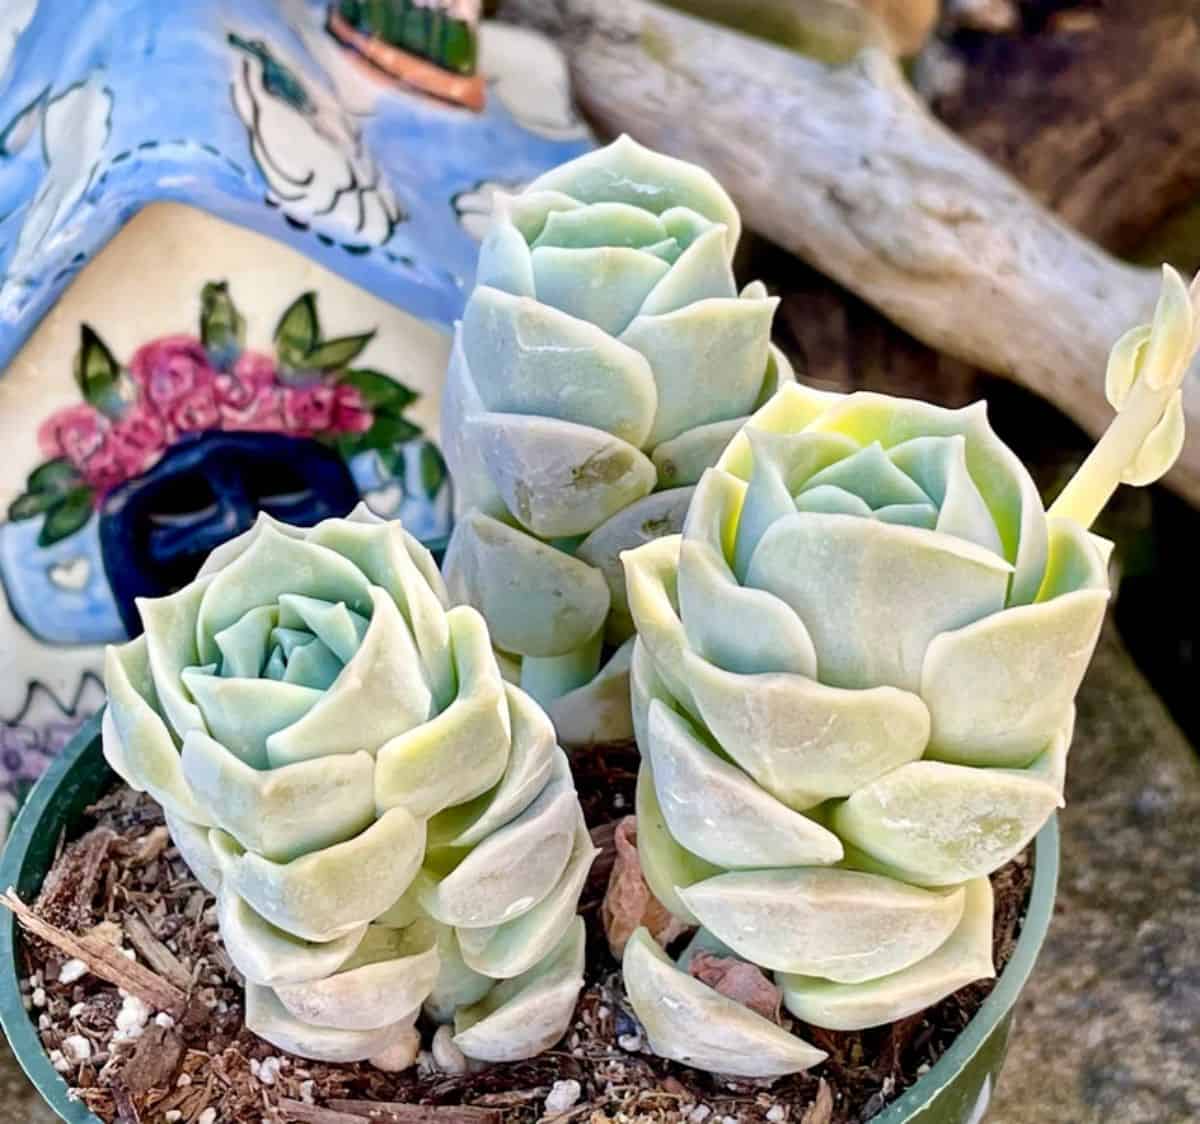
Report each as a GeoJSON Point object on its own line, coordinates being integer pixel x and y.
{"type": "Point", "coordinates": [1106, 1030]}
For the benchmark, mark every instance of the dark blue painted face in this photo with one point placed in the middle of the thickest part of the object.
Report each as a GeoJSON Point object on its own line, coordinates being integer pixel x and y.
{"type": "Point", "coordinates": [157, 529]}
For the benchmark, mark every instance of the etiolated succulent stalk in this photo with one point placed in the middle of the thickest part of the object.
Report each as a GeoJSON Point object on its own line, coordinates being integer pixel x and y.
{"type": "Point", "coordinates": [853, 688]}
{"type": "Point", "coordinates": [604, 360]}
{"type": "Point", "coordinates": [387, 826]}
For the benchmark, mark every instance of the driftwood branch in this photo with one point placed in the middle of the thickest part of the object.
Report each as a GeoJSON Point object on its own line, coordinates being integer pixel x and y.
{"type": "Point", "coordinates": [845, 167]}
{"type": "Point", "coordinates": [103, 960]}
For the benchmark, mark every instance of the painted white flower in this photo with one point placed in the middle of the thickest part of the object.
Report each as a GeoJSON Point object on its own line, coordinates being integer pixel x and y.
{"type": "Point", "coordinates": [311, 152]}
{"type": "Point", "coordinates": [528, 75]}
{"type": "Point", "coordinates": [15, 17]}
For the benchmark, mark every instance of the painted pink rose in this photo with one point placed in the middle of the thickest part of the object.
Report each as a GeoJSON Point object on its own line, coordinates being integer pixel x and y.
{"type": "Point", "coordinates": [139, 439]}
{"type": "Point", "coordinates": [171, 369]}
{"type": "Point", "coordinates": [308, 410]}
{"type": "Point", "coordinates": [254, 368]}
{"type": "Point", "coordinates": [194, 412]}
{"type": "Point", "coordinates": [255, 407]}
{"type": "Point", "coordinates": [350, 413]}
{"type": "Point", "coordinates": [74, 432]}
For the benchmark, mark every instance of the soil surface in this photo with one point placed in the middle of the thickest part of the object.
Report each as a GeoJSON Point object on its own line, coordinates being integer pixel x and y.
{"type": "Point", "coordinates": [123, 883]}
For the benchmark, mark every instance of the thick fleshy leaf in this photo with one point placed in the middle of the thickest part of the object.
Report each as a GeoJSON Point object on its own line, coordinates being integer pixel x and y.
{"type": "Point", "coordinates": [604, 285]}
{"type": "Point", "coordinates": [504, 261]}
{"type": "Point", "coordinates": [702, 272]}
{"type": "Point", "coordinates": [457, 985]}
{"type": "Point", "coordinates": [939, 825]}
{"type": "Point", "coordinates": [966, 956]}
{"type": "Point", "coordinates": [788, 412]}
{"type": "Point", "coordinates": [169, 625]}
{"type": "Point", "coordinates": [597, 712]}
{"type": "Point", "coordinates": [666, 866]}
{"type": "Point", "coordinates": [651, 573]}
{"type": "Point", "coordinates": [267, 1017]}
{"type": "Point", "coordinates": [531, 209]}
{"type": "Point", "coordinates": [272, 811]}
{"type": "Point", "coordinates": [802, 741]}
{"type": "Point", "coordinates": [689, 1022]}
{"type": "Point", "coordinates": [601, 224]}
{"type": "Point", "coordinates": [538, 601]}
{"type": "Point", "coordinates": [999, 689]}
{"type": "Point", "coordinates": [770, 636]}
{"type": "Point", "coordinates": [1161, 448]}
{"type": "Point", "coordinates": [545, 362]}
{"type": "Point", "coordinates": [461, 400]}
{"type": "Point", "coordinates": [137, 742]}
{"type": "Point", "coordinates": [388, 975]}
{"type": "Point", "coordinates": [707, 359]}
{"type": "Point", "coordinates": [683, 459]}
{"type": "Point", "coordinates": [939, 466]}
{"type": "Point", "coordinates": [393, 560]}
{"type": "Point", "coordinates": [267, 955]}
{"type": "Point", "coordinates": [507, 950]}
{"type": "Point", "coordinates": [839, 924]}
{"type": "Point", "coordinates": [513, 869]}
{"type": "Point", "coordinates": [461, 753]}
{"type": "Point", "coordinates": [643, 521]}
{"type": "Point", "coordinates": [521, 1017]}
{"type": "Point", "coordinates": [324, 894]}
{"type": "Point", "coordinates": [191, 841]}
{"type": "Point", "coordinates": [339, 628]}
{"type": "Point", "coordinates": [1077, 560]}
{"type": "Point", "coordinates": [870, 475]}
{"type": "Point", "coordinates": [243, 713]}
{"type": "Point", "coordinates": [530, 764]}
{"type": "Point", "coordinates": [778, 462]}
{"type": "Point", "coordinates": [232, 549]}
{"type": "Point", "coordinates": [559, 479]}
{"type": "Point", "coordinates": [275, 564]}
{"type": "Point", "coordinates": [716, 811]}
{"type": "Point", "coordinates": [626, 172]}
{"type": "Point", "coordinates": [313, 665]}
{"type": "Point", "coordinates": [873, 595]}
{"type": "Point", "coordinates": [1002, 480]}
{"type": "Point", "coordinates": [244, 644]}
{"type": "Point", "coordinates": [380, 694]}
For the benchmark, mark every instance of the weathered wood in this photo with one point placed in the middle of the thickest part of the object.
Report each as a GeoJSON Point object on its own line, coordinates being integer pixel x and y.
{"type": "Point", "coordinates": [845, 167]}
{"type": "Point", "coordinates": [103, 960]}
{"type": "Point", "coordinates": [1094, 111]}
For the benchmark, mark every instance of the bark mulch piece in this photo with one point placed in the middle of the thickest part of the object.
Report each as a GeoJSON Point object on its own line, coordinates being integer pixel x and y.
{"type": "Point", "coordinates": [174, 1050]}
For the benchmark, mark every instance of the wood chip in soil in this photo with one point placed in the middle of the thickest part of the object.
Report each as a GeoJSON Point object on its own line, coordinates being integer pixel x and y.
{"type": "Point", "coordinates": [121, 884]}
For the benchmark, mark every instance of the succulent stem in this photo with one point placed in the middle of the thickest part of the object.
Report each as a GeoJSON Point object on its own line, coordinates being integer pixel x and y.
{"type": "Point", "coordinates": [550, 677]}
{"type": "Point", "coordinates": [1146, 368]}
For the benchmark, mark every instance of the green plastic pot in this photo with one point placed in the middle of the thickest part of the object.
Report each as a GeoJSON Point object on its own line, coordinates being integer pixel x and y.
{"type": "Point", "coordinates": [955, 1091]}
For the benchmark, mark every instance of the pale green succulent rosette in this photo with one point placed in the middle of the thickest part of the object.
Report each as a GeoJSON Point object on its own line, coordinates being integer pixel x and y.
{"type": "Point", "coordinates": [386, 824]}
{"type": "Point", "coordinates": [604, 360]}
{"type": "Point", "coordinates": [853, 688]}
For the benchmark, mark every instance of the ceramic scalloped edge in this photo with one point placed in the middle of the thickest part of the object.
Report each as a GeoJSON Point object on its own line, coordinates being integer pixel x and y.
{"type": "Point", "coordinates": [603, 361]}
{"type": "Point", "coordinates": [342, 764]}
{"type": "Point", "coordinates": [853, 687]}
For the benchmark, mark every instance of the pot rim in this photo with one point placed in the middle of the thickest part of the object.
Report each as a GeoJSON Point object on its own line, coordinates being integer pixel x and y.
{"type": "Point", "coordinates": [909, 1107]}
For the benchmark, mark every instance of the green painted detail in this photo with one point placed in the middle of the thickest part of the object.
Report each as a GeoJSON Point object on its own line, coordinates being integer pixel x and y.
{"type": "Point", "coordinates": [422, 29]}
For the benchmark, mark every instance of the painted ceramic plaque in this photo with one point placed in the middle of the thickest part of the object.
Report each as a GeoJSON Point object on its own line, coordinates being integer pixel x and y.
{"type": "Point", "coordinates": [232, 238]}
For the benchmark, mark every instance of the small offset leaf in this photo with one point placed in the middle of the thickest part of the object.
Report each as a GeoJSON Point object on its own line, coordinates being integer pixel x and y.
{"type": "Point", "coordinates": [1170, 344]}
{"type": "Point", "coordinates": [332, 354]}
{"type": "Point", "coordinates": [66, 517]}
{"type": "Point", "coordinates": [1161, 449]}
{"type": "Point", "coordinates": [56, 476]}
{"type": "Point", "coordinates": [378, 389]}
{"type": "Point", "coordinates": [222, 327]}
{"type": "Point", "coordinates": [96, 370]}
{"type": "Point", "coordinates": [298, 330]}
{"type": "Point", "coordinates": [1123, 362]}
{"type": "Point", "coordinates": [433, 469]}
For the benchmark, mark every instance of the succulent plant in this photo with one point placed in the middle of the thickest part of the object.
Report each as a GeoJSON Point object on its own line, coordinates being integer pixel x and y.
{"type": "Point", "coordinates": [853, 688]}
{"type": "Point", "coordinates": [604, 360]}
{"type": "Point", "coordinates": [385, 823]}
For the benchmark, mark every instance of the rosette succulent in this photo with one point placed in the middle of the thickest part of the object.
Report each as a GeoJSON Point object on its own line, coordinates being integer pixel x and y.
{"type": "Point", "coordinates": [385, 823]}
{"type": "Point", "coordinates": [853, 689]}
{"type": "Point", "coordinates": [604, 360]}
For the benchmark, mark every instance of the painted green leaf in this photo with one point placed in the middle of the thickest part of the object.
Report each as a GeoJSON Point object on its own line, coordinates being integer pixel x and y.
{"type": "Point", "coordinates": [332, 354]}
{"type": "Point", "coordinates": [433, 470]}
{"type": "Point", "coordinates": [378, 389]}
{"type": "Point", "coordinates": [58, 475]}
{"type": "Point", "coordinates": [222, 327]}
{"type": "Point", "coordinates": [96, 371]}
{"type": "Point", "coordinates": [298, 331]}
{"type": "Point", "coordinates": [66, 516]}
{"type": "Point", "coordinates": [29, 504]}
{"type": "Point", "coordinates": [390, 429]}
